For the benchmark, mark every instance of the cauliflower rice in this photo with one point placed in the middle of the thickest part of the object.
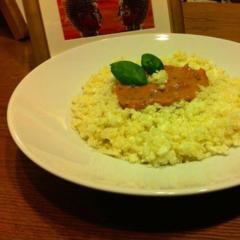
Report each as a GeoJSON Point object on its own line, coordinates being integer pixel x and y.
{"type": "Point", "coordinates": [185, 131]}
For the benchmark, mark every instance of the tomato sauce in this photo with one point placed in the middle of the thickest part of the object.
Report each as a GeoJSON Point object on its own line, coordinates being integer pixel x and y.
{"type": "Point", "coordinates": [183, 84]}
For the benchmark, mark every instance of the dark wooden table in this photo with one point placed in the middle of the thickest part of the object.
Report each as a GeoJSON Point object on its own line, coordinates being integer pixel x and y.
{"type": "Point", "coordinates": [37, 205]}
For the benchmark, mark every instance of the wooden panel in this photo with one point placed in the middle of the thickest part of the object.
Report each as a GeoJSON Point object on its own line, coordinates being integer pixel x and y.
{"type": "Point", "coordinates": [217, 20]}
{"type": "Point", "coordinates": [36, 31]}
{"type": "Point", "coordinates": [14, 18]}
{"type": "Point", "coordinates": [176, 16]}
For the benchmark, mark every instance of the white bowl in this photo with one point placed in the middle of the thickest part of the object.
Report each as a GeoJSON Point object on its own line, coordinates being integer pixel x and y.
{"type": "Point", "coordinates": [39, 116]}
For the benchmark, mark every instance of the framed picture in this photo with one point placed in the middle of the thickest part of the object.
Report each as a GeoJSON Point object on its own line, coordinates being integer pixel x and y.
{"type": "Point", "coordinates": [58, 25]}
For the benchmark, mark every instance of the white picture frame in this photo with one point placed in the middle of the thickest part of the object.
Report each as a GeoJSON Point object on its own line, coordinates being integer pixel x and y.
{"type": "Point", "coordinates": [46, 32]}
{"type": "Point", "coordinates": [54, 31]}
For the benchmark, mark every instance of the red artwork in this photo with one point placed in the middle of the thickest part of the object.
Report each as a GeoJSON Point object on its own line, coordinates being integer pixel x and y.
{"type": "Point", "coordinates": [85, 18]}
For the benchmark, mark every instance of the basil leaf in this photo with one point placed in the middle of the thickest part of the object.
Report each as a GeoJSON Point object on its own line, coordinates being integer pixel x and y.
{"type": "Point", "coordinates": [151, 63]}
{"type": "Point", "coordinates": [129, 73]}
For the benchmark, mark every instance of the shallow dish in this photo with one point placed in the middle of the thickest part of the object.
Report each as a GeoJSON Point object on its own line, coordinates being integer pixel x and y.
{"type": "Point", "coordinates": [39, 119]}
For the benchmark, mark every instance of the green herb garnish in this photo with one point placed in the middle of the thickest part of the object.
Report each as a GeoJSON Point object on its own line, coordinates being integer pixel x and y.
{"type": "Point", "coordinates": [151, 63]}
{"type": "Point", "coordinates": [129, 73]}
